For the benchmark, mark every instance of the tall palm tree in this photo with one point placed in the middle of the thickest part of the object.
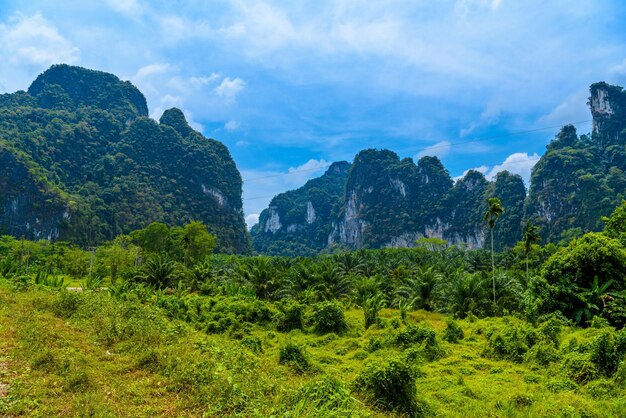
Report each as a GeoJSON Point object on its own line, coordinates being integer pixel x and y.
{"type": "Point", "coordinates": [530, 236]}
{"type": "Point", "coordinates": [491, 216]}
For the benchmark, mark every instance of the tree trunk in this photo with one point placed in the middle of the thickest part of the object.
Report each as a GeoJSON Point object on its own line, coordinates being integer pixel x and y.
{"type": "Point", "coordinates": [526, 269]}
{"type": "Point", "coordinates": [493, 268]}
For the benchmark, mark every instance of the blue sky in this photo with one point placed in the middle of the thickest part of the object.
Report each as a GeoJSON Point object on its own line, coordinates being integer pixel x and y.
{"type": "Point", "coordinates": [291, 86]}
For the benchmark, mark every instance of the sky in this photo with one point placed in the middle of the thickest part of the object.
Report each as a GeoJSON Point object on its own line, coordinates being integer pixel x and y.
{"type": "Point", "coordinates": [290, 87]}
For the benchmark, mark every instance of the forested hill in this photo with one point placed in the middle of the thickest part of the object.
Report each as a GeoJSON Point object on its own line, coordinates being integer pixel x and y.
{"type": "Point", "coordinates": [391, 202]}
{"type": "Point", "coordinates": [80, 160]}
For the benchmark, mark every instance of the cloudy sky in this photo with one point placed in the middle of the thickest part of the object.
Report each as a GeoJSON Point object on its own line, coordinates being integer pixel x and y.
{"type": "Point", "coordinates": [291, 86]}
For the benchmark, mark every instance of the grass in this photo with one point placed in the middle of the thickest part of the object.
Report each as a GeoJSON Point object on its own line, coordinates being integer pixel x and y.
{"type": "Point", "coordinates": [107, 357]}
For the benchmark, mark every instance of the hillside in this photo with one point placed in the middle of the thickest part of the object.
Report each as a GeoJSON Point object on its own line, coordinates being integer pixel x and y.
{"type": "Point", "coordinates": [389, 202]}
{"type": "Point", "coordinates": [82, 161]}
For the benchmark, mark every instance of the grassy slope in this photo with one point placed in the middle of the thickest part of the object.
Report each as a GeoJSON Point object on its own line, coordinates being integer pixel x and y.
{"type": "Point", "coordinates": [82, 366]}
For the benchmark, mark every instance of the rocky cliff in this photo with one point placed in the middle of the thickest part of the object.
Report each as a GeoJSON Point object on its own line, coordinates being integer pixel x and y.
{"type": "Point", "coordinates": [82, 161]}
{"type": "Point", "coordinates": [298, 222]}
{"type": "Point", "coordinates": [391, 202]}
{"type": "Point", "coordinates": [385, 201]}
{"type": "Point", "coordinates": [581, 178]}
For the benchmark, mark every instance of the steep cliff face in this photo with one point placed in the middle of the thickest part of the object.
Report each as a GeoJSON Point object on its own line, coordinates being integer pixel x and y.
{"type": "Point", "coordinates": [580, 179]}
{"type": "Point", "coordinates": [298, 222]}
{"type": "Point", "coordinates": [389, 202]}
{"type": "Point", "coordinates": [86, 134]}
{"type": "Point", "coordinates": [460, 221]}
{"type": "Point", "coordinates": [27, 209]}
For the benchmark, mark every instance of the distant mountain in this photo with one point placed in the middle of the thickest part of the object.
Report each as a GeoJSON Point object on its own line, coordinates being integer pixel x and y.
{"type": "Point", "coordinates": [81, 160]}
{"type": "Point", "coordinates": [383, 201]}
{"type": "Point", "coordinates": [389, 202]}
{"type": "Point", "coordinates": [298, 222]}
{"type": "Point", "coordinates": [580, 179]}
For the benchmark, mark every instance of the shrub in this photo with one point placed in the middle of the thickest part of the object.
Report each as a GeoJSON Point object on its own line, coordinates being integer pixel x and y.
{"type": "Point", "coordinates": [425, 337]}
{"type": "Point", "coordinates": [391, 386]}
{"type": "Point", "coordinates": [603, 353]}
{"type": "Point", "coordinates": [601, 389]}
{"type": "Point", "coordinates": [291, 317]}
{"type": "Point", "coordinates": [66, 303]}
{"type": "Point", "coordinates": [542, 354]}
{"type": "Point", "coordinates": [254, 344]}
{"type": "Point", "coordinates": [560, 385]}
{"type": "Point", "coordinates": [512, 343]}
{"type": "Point", "coordinates": [375, 343]}
{"type": "Point", "coordinates": [453, 333]}
{"type": "Point", "coordinates": [550, 330]}
{"type": "Point", "coordinates": [620, 375]}
{"type": "Point", "coordinates": [598, 322]}
{"type": "Point", "coordinates": [371, 308]}
{"type": "Point", "coordinates": [295, 356]}
{"type": "Point", "coordinates": [579, 367]}
{"type": "Point", "coordinates": [329, 317]}
{"type": "Point", "coordinates": [324, 397]}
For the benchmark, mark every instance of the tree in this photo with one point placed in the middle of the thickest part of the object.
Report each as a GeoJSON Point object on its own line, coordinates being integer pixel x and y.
{"type": "Point", "coordinates": [491, 216]}
{"type": "Point", "coordinates": [196, 242]}
{"type": "Point", "coordinates": [153, 238]}
{"type": "Point", "coordinates": [530, 237]}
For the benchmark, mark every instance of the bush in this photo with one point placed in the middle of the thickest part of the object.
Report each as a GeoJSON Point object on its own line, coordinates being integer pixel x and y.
{"type": "Point", "coordinates": [512, 343]}
{"type": "Point", "coordinates": [329, 317]}
{"type": "Point", "coordinates": [324, 397]}
{"type": "Point", "coordinates": [560, 385]}
{"type": "Point", "coordinates": [425, 337]}
{"type": "Point", "coordinates": [579, 367]}
{"type": "Point", "coordinates": [254, 344]}
{"type": "Point", "coordinates": [66, 303]}
{"type": "Point", "coordinates": [542, 354]}
{"type": "Point", "coordinates": [391, 386]}
{"type": "Point", "coordinates": [601, 389]}
{"type": "Point", "coordinates": [603, 353]}
{"type": "Point", "coordinates": [291, 317]}
{"type": "Point", "coordinates": [453, 333]}
{"type": "Point", "coordinates": [295, 356]}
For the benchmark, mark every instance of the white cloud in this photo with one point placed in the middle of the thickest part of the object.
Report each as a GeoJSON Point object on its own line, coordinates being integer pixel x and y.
{"type": "Point", "coordinates": [440, 149]}
{"type": "Point", "coordinates": [129, 8]}
{"type": "Point", "coordinates": [231, 125]}
{"type": "Point", "coordinates": [242, 144]}
{"type": "Point", "coordinates": [619, 69]}
{"type": "Point", "coordinates": [572, 109]}
{"type": "Point", "coordinates": [518, 163]}
{"type": "Point", "coordinates": [260, 186]}
{"type": "Point", "coordinates": [482, 169]}
{"type": "Point", "coordinates": [33, 41]}
{"type": "Point", "coordinates": [229, 89]}
{"type": "Point", "coordinates": [488, 116]}
{"type": "Point", "coordinates": [152, 69]}
{"type": "Point", "coordinates": [252, 220]}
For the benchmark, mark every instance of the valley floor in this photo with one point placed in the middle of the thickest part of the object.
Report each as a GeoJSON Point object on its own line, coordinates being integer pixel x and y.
{"type": "Point", "coordinates": [93, 355]}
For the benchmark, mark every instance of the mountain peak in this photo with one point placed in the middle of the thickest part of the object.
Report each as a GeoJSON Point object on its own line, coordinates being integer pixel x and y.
{"type": "Point", "coordinates": [69, 87]}
{"type": "Point", "coordinates": [175, 118]}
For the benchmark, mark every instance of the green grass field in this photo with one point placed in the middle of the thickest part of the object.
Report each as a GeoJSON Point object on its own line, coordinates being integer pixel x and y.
{"type": "Point", "coordinates": [89, 354]}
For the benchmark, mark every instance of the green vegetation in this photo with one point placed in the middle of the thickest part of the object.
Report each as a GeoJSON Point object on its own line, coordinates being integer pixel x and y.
{"type": "Point", "coordinates": [164, 327]}
{"type": "Point", "coordinates": [81, 161]}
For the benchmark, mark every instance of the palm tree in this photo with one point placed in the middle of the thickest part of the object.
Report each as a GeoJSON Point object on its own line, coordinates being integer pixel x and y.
{"type": "Point", "coordinates": [530, 236]}
{"type": "Point", "coordinates": [491, 216]}
{"type": "Point", "coordinates": [157, 271]}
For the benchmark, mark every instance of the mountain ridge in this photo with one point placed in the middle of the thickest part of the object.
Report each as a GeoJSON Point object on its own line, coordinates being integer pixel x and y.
{"type": "Point", "coordinates": [391, 202]}
{"type": "Point", "coordinates": [80, 143]}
